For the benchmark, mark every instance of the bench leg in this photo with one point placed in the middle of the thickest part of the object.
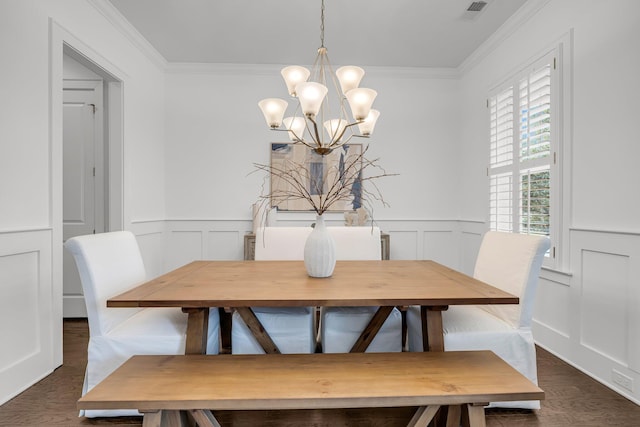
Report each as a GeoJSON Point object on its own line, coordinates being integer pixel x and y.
{"type": "Point", "coordinates": [432, 335]}
{"type": "Point", "coordinates": [197, 330]}
{"type": "Point", "coordinates": [204, 418]}
{"type": "Point", "coordinates": [423, 416]}
{"type": "Point", "coordinates": [476, 415]}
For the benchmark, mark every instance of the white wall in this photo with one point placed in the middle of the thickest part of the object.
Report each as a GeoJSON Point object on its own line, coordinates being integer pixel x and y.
{"type": "Point", "coordinates": [215, 132]}
{"type": "Point", "coordinates": [31, 165]}
{"type": "Point", "coordinates": [586, 313]}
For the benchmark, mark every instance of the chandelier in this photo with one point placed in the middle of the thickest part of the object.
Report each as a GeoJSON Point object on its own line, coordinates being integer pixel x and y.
{"type": "Point", "coordinates": [321, 122]}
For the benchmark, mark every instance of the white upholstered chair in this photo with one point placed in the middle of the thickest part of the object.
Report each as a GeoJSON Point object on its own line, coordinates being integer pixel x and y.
{"type": "Point", "coordinates": [511, 262]}
{"type": "Point", "coordinates": [340, 327]}
{"type": "Point", "coordinates": [109, 264]}
{"type": "Point", "coordinates": [292, 329]}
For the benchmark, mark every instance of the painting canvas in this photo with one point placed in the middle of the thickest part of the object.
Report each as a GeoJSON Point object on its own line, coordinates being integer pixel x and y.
{"type": "Point", "coordinates": [320, 174]}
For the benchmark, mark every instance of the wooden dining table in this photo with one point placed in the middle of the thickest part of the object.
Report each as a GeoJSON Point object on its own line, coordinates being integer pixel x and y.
{"type": "Point", "coordinates": [200, 286]}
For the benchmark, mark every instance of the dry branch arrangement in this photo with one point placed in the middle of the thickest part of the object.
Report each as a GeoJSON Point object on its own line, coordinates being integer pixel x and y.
{"type": "Point", "coordinates": [346, 184]}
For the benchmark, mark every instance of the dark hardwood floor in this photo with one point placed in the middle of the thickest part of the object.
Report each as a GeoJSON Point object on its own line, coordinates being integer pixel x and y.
{"type": "Point", "coordinates": [572, 399]}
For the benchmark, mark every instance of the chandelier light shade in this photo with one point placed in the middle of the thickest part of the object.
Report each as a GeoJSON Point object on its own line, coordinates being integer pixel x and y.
{"type": "Point", "coordinates": [360, 101]}
{"type": "Point", "coordinates": [311, 95]}
{"type": "Point", "coordinates": [293, 75]}
{"type": "Point", "coordinates": [349, 77]}
{"type": "Point", "coordinates": [273, 110]}
{"type": "Point", "coordinates": [321, 121]}
{"type": "Point", "coordinates": [366, 127]}
{"type": "Point", "coordinates": [335, 128]}
{"type": "Point", "coordinates": [295, 126]}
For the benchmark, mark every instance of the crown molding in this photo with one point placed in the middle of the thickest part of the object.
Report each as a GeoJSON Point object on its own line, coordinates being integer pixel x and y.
{"type": "Point", "coordinates": [114, 16]}
{"type": "Point", "coordinates": [506, 30]}
{"type": "Point", "coordinates": [274, 69]}
{"type": "Point", "coordinates": [414, 72]}
{"type": "Point", "coordinates": [222, 68]}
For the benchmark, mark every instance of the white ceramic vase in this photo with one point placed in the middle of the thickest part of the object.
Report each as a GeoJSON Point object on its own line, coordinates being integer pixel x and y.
{"type": "Point", "coordinates": [320, 251]}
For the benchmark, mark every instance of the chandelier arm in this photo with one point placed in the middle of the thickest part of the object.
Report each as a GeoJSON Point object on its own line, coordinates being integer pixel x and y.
{"type": "Point", "coordinates": [346, 141]}
{"type": "Point", "coordinates": [318, 140]}
{"type": "Point", "coordinates": [335, 141]}
{"type": "Point", "coordinates": [336, 84]}
{"type": "Point", "coordinates": [298, 139]}
{"type": "Point", "coordinates": [303, 142]}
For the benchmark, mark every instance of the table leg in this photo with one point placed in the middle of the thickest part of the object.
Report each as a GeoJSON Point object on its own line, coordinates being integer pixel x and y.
{"type": "Point", "coordinates": [225, 329]}
{"type": "Point", "coordinates": [432, 334]}
{"type": "Point", "coordinates": [197, 330]}
{"type": "Point", "coordinates": [152, 419]}
{"type": "Point", "coordinates": [204, 418]}
{"type": "Point", "coordinates": [423, 416]}
{"type": "Point", "coordinates": [476, 415]}
{"type": "Point", "coordinates": [369, 333]}
{"type": "Point", "coordinates": [165, 418]}
{"type": "Point", "coordinates": [454, 415]}
{"type": "Point", "coordinates": [175, 418]}
{"type": "Point", "coordinates": [258, 330]}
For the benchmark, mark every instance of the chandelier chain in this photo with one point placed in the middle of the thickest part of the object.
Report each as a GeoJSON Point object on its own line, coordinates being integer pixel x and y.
{"type": "Point", "coordinates": [322, 25]}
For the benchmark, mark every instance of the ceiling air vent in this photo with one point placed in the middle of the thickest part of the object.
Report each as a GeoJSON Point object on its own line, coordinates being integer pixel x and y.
{"type": "Point", "coordinates": [476, 6]}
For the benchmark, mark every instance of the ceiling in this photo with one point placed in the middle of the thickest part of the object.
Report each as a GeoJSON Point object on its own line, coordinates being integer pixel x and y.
{"type": "Point", "coordinates": [403, 33]}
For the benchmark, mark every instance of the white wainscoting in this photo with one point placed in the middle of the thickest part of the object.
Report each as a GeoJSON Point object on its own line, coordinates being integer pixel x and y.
{"type": "Point", "coordinates": [26, 310]}
{"type": "Point", "coordinates": [471, 233]}
{"type": "Point", "coordinates": [591, 319]}
{"type": "Point", "coordinates": [152, 242]}
{"type": "Point", "coordinates": [188, 240]}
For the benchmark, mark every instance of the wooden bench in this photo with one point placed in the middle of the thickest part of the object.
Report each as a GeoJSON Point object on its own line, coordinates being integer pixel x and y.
{"type": "Point", "coordinates": [167, 388]}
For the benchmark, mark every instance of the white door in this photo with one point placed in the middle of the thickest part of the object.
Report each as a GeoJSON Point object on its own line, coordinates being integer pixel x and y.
{"type": "Point", "coordinates": [83, 184]}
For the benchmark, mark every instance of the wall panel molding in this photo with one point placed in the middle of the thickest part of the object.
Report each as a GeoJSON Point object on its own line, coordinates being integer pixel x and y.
{"type": "Point", "coordinates": [27, 297]}
{"type": "Point", "coordinates": [589, 318]}
{"type": "Point", "coordinates": [224, 238]}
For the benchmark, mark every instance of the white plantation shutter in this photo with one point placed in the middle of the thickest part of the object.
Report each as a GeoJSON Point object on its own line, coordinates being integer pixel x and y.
{"type": "Point", "coordinates": [535, 115]}
{"type": "Point", "coordinates": [501, 161]}
{"type": "Point", "coordinates": [501, 202]}
{"type": "Point", "coordinates": [521, 151]}
{"type": "Point", "coordinates": [502, 128]}
{"type": "Point", "coordinates": [535, 151]}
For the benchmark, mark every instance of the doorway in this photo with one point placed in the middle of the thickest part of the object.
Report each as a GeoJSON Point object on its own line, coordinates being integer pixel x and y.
{"type": "Point", "coordinates": [83, 167]}
{"type": "Point", "coordinates": [92, 162]}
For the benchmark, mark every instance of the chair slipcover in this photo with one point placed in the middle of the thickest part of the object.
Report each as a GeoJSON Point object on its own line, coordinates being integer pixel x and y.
{"type": "Point", "coordinates": [511, 262]}
{"type": "Point", "coordinates": [292, 329]}
{"type": "Point", "coordinates": [340, 327]}
{"type": "Point", "coordinates": [109, 264]}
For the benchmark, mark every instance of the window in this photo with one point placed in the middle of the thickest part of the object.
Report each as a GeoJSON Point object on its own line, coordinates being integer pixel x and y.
{"type": "Point", "coordinates": [524, 137]}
